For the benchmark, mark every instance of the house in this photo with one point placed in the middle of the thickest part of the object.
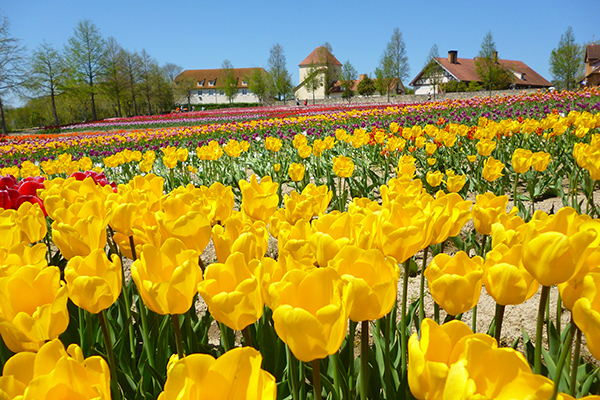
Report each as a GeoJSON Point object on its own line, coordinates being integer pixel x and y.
{"type": "Point", "coordinates": [592, 65]}
{"type": "Point", "coordinates": [315, 65]}
{"type": "Point", "coordinates": [206, 85]}
{"type": "Point", "coordinates": [464, 70]}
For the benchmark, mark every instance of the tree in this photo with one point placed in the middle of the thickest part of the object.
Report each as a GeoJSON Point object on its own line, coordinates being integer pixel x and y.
{"type": "Point", "coordinates": [132, 68]}
{"type": "Point", "coordinates": [567, 62]}
{"type": "Point", "coordinates": [229, 85]}
{"type": "Point", "coordinates": [150, 79]}
{"type": "Point", "coordinates": [396, 58]}
{"type": "Point", "coordinates": [114, 79]}
{"type": "Point", "coordinates": [433, 71]}
{"type": "Point", "coordinates": [85, 53]}
{"type": "Point", "coordinates": [170, 71]}
{"type": "Point", "coordinates": [282, 79]}
{"type": "Point", "coordinates": [366, 86]}
{"type": "Point", "coordinates": [259, 83]}
{"type": "Point", "coordinates": [184, 87]}
{"type": "Point", "coordinates": [492, 73]}
{"type": "Point", "coordinates": [12, 66]}
{"type": "Point", "coordinates": [314, 80]}
{"type": "Point", "coordinates": [347, 78]}
{"type": "Point", "coordinates": [330, 76]}
{"type": "Point", "coordinates": [47, 73]}
{"type": "Point", "coordinates": [384, 75]}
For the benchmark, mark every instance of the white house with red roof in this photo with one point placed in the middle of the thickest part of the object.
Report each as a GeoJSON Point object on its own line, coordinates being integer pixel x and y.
{"type": "Point", "coordinates": [465, 70]}
{"type": "Point", "coordinates": [314, 65]}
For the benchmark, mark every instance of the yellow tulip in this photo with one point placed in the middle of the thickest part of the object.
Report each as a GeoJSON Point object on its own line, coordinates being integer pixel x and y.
{"type": "Point", "coordinates": [21, 255]}
{"type": "Point", "coordinates": [454, 183]}
{"type": "Point", "coordinates": [555, 247]}
{"type": "Point", "coordinates": [178, 219]}
{"type": "Point", "coordinates": [32, 222]}
{"type": "Point", "coordinates": [505, 278]}
{"type": "Point", "coordinates": [541, 159]}
{"type": "Point", "coordinates": [10, 233]}
{"type": "Point", "coordinates": [487, 210]}
{"type": "Point", "coordinates": [455, 282]}
{"type": "Point", "coordinates": [273, 144]}
{"type": "Point", "coordinates": [259, 200]}
{"type": "Point", "coordinates": [319, 197]}
{"type": "Point", "coordinates": [401, 230]}
{"type": "Point", "coordinates": [434, 178]}
{"type": "Point", "coordinates": [33, 308]}
{"type": "Point", "coordinates": [586, 312]}
{"type": "Point", "coordinates": [296, 172]}
{"type": "Point", "coordinates": [94, 282]}
{"type": "Point", "coordinates": [343, 166]}
{"type": "Point", "coordinates": [374, 280]}
{"type": "Point", "coordinates": [56, 373]}
{"type": "Point", "coordinates": [237, 374]}
{"type": "Point", "coordinates": [310, 312]}
{"type": "Point", "coordinates": [492, 169]}
{"type": "Point", "coordinates": [232, 292]}
{"type": "Point", "coordinates": [304, 151]}
{"type": "Point", "coordinates": [522, 160]}
{"type": "Point", "coordinates": [485, 147]}
{"type": "Point", "coordinates": [167, 277]}
{"type": "Point", "coordinates": [239, 235]}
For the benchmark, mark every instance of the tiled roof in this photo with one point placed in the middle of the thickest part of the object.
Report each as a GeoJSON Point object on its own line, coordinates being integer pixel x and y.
{"type": "Point", "coordinates": [209, 75]}
{"type": "Point", "coordinates": [592, 52]}
{"type": "Point", "coordinates": [316, 58]}
{"type": "Point", "coordinates": [465, 70]}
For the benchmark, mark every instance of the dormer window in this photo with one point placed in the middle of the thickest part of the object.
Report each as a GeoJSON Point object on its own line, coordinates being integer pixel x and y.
{"type": "Point", "coordinates": [244, 83]}
{"type": "Point", "coordinates": [201, 83]}
{"type": "Point", "coordinates": [213, 82]}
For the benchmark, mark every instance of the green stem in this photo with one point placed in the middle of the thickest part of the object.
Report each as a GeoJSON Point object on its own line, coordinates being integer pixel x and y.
{"type": "Point", "coordinates": [537, 367]}
{"type": "Point", "coordinates": [247, 336]}
{"type": "Point", "coordinates": [351, 334]}
{"type": "Point", "coordinates": [498, 320]}
{"type": "Point", "coordinates": [225, 337]}
{"type": "Point", "coordinates": [558, 312]}
{"type": "Point", "coordinates": [515, 200]}
{"type": "Point", "coordinates": [132, 244]}
{"type": "Point", "coordinates": [575, 366]}
{"type": "Point", "coordinates": [364, 360]}
{"type": "Point", "coordinates": [292, 374]}
{"type": "Point", "coordinates": [566, 348]}
{"type": "Point", "coordinates": [436, 313]}
{"type": "Point", "coordinates": [147, 347]}
{"type": "Point", "coordinates": [335, 361]}
{"type": "Point", "coordinates": [111, 355]}
{"type": "Point", "coordinates": [316, 372]}
{"type": "Point", "coordinates": [403, 335]}
{"type": "Point", "coordinates": [422, 288]}
{"type": "Point", "coordinates": [474, 320]}
{"type": "Point", "coordinates": [178, 337]}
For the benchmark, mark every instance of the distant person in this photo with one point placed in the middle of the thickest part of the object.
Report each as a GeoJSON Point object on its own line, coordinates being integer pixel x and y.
{"type": "Point", "coordinates": [305, 103]}
{"type": "Point", "coordinates": [297, 102]}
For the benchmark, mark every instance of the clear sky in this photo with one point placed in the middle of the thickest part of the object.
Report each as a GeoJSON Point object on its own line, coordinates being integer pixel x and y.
{"type": "Point", "coordinates": [201, 34]}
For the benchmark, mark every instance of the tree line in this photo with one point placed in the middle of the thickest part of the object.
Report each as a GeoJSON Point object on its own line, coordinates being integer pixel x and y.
{"type": "Point", "coordinates": [91, 78]}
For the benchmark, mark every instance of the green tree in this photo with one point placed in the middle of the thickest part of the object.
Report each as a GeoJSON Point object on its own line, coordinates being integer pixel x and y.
{"type": "Point", "coordinates": [325, 63]}
{"type": "Point", "coordinates": [366, 86]}
{"type": "Point", "coordinates": [384, 75]}
{"type": "Point", "coordinates": [229, 85]}
{"type": "Point", "coordinates": [567, 62]}
{"type": "Point", "coordinates": [314, 80]}
{"type": "Point", "coordinates": [259, 83]}
{"type": "Point", "coordinates": [282, 79]}
{"type": "Point", "coordinates": [85, 54]}
{"type": "Point", "coordinates": [132, 65]}
{"type": "Point", "coordinates": [47, 72]}
{"type": "Point", "coordinates": [148, 78]}
{"type": "Point", "coordinates": [433, 71]}
{"type": "Point", "coordinates": [184, 87]}
{"type": "Point", "coordinates": [114, 79]}
{"type": "Point", "coordinates": [396, 61]}
{"type": "Point", "coordinates": [493, 75]}
{"type": "Point", "coordinates": [13, 71]}
{"type": "Point", "coordinates": [347, 78]}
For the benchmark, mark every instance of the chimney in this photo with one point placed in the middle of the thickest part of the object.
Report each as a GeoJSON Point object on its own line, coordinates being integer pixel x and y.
{"type": "Point", "coordinates": [496, 56]}
{"type": "Point", "coordinates": [452, 56]}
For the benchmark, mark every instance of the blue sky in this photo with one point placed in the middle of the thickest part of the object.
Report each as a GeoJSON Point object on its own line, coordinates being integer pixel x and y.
{"type": "Point", "coordinates": [201, 34]}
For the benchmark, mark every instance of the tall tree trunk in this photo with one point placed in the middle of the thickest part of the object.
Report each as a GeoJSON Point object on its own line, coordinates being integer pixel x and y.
{"type": "Point", "coordinates": [2, 121]}
{"type": "Point", "coordinates": [52, 96]}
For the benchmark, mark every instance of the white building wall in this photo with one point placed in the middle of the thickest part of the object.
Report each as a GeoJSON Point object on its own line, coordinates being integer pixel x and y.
{"type": "Point", "coordinates": [212, 96]}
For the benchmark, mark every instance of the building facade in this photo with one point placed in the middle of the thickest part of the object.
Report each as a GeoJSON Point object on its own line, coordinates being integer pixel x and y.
{"type": "Point", "coordinates": [443, 70]}
{"type": "Point", "coordinates": [205, 86]}
{"type": "Point", "coordinates": [592, 65]}
{"type": "Point", "coordinates": [315, 66]}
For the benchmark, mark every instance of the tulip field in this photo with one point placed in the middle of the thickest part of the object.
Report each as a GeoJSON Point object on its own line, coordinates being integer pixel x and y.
{"type": "Point", "coordinates": [265, 253]}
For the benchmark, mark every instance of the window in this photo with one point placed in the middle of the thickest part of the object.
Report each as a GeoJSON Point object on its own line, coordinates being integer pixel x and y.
{"type": "Point", "coordinates": [213, 82]}
{"type": "Point", "coordinates": [201, 83]}
{"type": "Point", "coordinates": [244, 91]}
{"type": "Point", "coordinates": [199, 93]}
{"type": "Point", "coordinates": [244, 83]}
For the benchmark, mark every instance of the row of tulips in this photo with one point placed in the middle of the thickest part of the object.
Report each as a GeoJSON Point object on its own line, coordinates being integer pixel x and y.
{"type": "Point", "coordinates": [333, 270]}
